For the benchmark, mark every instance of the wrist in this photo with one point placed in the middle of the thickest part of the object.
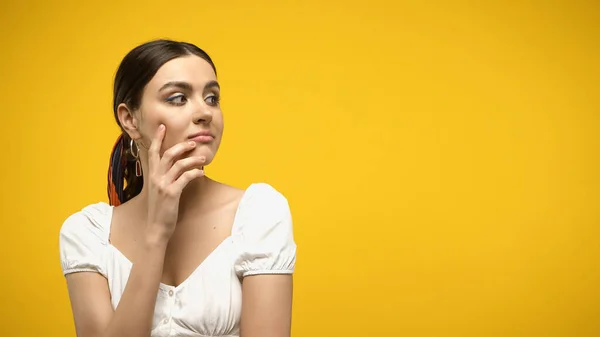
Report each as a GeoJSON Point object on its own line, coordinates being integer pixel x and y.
{"type": "Point", "coordinates": [156, 238]}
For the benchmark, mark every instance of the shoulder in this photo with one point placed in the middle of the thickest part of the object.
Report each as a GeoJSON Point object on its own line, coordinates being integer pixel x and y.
{"type": "Point", "coordinates": [264, 212]}
{"type": "Point", "coordinates": [266, 229]}
{"type": "Point", "coordinates": [265, 200]}
{"type": "Point", "coordinates": [83, 238]}
{"type": "Point", "coordinates": [93, 219]}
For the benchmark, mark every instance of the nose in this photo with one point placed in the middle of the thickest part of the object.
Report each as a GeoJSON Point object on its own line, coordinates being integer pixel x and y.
{"type": "Point", "coordinates": [202, 115]}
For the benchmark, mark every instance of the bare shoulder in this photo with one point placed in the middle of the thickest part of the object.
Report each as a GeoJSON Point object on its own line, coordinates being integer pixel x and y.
{"type": "Point", "coordinates": [228, 194]}
{"type": "Point", "coordinates": [229, 188]}
{"type": "Point", "coordinates": [124, 216]}
{"type": "Point", "coordinates": [128, 209]}
{"type": "Point", "coordinates": [127, 226]}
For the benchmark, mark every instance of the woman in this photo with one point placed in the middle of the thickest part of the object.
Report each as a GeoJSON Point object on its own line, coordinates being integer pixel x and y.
{"type": "Point", "coordinates": [176, 253]}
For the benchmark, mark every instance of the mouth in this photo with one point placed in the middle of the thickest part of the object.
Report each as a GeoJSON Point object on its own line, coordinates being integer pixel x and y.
{"type": "Point", "coordinates": [202, 137]}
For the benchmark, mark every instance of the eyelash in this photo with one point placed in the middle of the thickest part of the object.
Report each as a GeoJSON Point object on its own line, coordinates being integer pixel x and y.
{"type": "Point", "coordinates": [171, 99]}
{"type": "Point", "coordinates": [216, 99]}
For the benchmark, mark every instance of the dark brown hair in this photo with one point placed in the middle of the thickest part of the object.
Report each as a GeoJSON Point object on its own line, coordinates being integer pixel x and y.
{"type": "Point", "coordinates": [137, 68]}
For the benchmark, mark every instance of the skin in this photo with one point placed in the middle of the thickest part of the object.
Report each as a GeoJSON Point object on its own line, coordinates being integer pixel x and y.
{"type": "Point", "coordinates": [180, 216]}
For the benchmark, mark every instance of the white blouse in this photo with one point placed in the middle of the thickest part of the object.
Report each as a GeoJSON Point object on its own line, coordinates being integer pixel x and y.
{"type": "Point", "coordinates": [209, 301]}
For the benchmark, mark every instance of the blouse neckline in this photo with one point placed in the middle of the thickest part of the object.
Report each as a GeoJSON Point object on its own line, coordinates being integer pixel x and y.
{"type": "Point", "coordinates": [168, 287]}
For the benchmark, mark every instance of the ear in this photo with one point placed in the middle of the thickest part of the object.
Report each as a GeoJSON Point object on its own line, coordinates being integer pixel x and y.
{"type": "Point", "coordinates": [128, 121]}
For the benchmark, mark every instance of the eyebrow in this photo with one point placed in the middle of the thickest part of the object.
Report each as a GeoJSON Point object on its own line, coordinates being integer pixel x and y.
{"type": "Point", "coordinates": [186, 86]}
{"type": "Point", "coordinates": [212, 84]}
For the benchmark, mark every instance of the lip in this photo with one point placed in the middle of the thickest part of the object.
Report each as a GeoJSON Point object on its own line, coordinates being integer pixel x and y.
{"type": "Point", "coordinates": [202, 137]}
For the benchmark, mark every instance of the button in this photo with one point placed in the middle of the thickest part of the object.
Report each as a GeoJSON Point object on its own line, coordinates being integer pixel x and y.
{"type": "Point", "coordinates": [170, 292]}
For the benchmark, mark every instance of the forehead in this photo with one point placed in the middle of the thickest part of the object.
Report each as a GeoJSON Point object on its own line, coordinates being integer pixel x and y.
{"type": "Point", "coordinates": [191, 68]}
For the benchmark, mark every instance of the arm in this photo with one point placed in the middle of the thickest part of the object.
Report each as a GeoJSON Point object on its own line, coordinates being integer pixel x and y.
{"type": "Point", "coordinates": [89, 293]}
{"type": "Point", "coordinates": [266, 265]}
{"type": "Point", "coordinates": [90, 298]}
{"type": "Point", "coordinates": [266, 306]}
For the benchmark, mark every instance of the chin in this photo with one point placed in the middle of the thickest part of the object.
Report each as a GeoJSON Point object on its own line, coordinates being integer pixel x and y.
{"type": "Point", "coordinates": [204, 151]}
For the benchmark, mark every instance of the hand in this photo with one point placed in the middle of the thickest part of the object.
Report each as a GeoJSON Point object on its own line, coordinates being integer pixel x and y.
{"type": "Point", "coordinates": [167, 178]}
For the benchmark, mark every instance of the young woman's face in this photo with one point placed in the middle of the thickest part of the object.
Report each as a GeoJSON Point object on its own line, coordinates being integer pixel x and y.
{"type": "Point", "coordinates": [184, 96]}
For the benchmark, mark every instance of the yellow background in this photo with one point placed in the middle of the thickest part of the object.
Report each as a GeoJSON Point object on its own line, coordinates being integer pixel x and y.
{"type": "Point", "coordinates": [440, 158]}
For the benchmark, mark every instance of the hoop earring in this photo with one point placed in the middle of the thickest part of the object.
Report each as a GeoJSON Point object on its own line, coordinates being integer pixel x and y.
{"type": "Point", "coordinates": [136, 155]}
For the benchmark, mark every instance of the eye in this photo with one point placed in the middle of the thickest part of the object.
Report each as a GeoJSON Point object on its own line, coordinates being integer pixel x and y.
{"type": "Point", "coordinates": [178, 99]}
{"type": "Point", "coordinates": [212, 100]}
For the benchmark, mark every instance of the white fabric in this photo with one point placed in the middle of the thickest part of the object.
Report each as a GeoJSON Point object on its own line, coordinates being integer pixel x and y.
{"type": "Point", "coordinates": [209, 301]}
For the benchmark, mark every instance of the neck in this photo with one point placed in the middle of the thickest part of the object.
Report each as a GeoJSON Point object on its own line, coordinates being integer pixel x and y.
{"type": "Point", "coordinates": [192, 196]}
{"type": "Point", "coordinates": [195, 194]}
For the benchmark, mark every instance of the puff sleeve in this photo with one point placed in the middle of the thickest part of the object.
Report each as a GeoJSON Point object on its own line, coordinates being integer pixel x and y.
{"type": "Point", "coordinates": [82, 244]}
{"type": "Point", "coordinates": [268, 245]}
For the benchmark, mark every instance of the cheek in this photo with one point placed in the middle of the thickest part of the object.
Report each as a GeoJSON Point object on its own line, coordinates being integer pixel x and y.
{"type": "Point", "coordinates": [175, 127]}
{"type": "Point", "coordinates": [218, 122]}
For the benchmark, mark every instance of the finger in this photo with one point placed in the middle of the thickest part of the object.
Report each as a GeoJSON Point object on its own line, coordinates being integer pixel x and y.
{"type": "Point", "coordinates": [154, 150]}
{"type": "Point", "coordinates": [186, 177]}
{"type": "Point", "coordinates": [183, 165]}
{"type": "Point", "coordinates": [172, 154]}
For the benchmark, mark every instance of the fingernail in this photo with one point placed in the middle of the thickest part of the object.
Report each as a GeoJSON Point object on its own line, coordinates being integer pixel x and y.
{"type": "Point", "coordinates": [161, 127]}
{"type": "Point", "coordinates": [203, 159]}
{"type": "Point", "coordinates": [192, 144]}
